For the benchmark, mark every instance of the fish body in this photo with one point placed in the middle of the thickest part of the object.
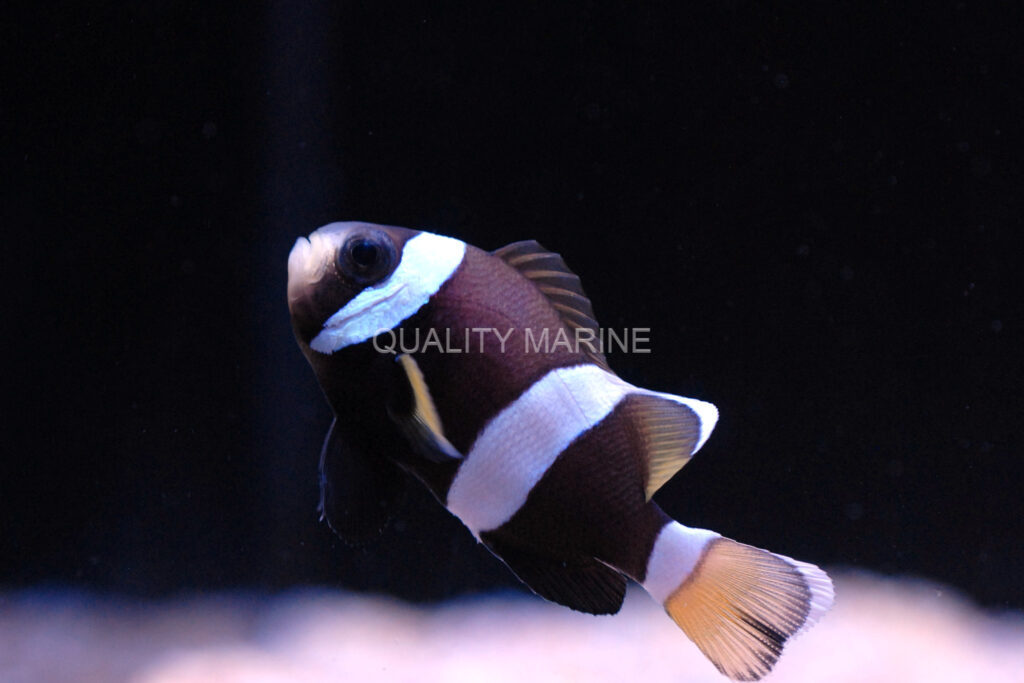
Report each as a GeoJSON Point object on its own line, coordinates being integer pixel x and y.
{"type": "Point", "coordinates": [545, 454]}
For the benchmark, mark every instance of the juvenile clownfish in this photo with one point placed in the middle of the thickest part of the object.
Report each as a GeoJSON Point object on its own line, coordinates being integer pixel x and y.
{"type": "Point", "coordinates": [546, 455]}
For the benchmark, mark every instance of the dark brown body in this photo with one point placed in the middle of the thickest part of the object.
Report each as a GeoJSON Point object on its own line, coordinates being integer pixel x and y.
{"type": "Point", "coordinates": [591, 503]}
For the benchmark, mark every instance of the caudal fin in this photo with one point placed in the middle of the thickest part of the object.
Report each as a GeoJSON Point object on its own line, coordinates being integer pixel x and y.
{"type": "Point", "coordinates": [737, 603]}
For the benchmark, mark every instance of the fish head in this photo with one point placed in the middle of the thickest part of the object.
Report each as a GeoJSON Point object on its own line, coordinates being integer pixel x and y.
{"type": "Point", "coordinates": [340, 282]}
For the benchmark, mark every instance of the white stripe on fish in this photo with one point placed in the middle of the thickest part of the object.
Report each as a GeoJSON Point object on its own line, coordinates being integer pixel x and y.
{"type": "Point", "coordinates": [428, 261]}
{"type": "Point", "coordinates": [517, 447]}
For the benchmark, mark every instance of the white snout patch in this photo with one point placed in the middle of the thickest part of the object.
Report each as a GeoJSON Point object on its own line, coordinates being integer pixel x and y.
{"type": "Point", "coordinates": [427, 261]}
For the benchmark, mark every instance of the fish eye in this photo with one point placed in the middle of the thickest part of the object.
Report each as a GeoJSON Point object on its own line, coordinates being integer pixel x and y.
{"type": "Point", "coordinates": [365, 254]}
{"type": "Point", "coordinates": [367, 259]}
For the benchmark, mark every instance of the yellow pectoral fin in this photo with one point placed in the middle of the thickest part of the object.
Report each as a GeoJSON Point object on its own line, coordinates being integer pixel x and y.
{"type": "Point", "coordinates": [422, 424]}
{"type": "Point", "coordinates": [423, 404]}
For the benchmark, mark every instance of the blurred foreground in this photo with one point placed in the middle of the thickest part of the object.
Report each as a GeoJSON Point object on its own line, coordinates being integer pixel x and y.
{"type": "Point", "coordinates": [880, 630]}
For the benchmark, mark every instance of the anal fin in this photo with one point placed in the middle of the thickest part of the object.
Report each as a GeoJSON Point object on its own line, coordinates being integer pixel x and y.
{"type": "Point", "coordinates": [580, 583]}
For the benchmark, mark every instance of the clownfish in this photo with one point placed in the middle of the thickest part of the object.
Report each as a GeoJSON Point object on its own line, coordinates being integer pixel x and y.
{"type": "Point", "coordinates": [547, 456]}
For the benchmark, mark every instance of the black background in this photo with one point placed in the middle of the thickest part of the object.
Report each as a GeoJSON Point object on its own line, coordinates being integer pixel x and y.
{"type": "Point", "coordinates": [816, 210]}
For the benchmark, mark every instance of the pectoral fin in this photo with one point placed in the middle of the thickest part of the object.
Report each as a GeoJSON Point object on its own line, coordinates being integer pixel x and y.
{"type": "Point", "coordinates": [414, 412]}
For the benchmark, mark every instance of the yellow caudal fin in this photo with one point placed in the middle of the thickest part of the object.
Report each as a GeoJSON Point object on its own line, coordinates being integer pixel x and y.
{"type": "Point", "coordinates": [737, 603]}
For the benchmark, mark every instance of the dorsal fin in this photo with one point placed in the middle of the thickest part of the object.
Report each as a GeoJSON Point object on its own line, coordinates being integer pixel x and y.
{"type": "Point", "coordinates": [670, 432]}
{"type": "Point", "coordinates": [562, 287]}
